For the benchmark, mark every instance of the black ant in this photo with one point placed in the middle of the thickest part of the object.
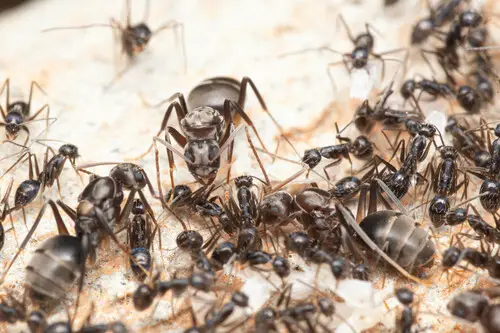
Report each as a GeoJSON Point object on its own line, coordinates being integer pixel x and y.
{"type": "Point", "coordinates": [207, 125]}
{"type": "Point", "coordinates": [475, 305]}
{"type": "Point", "coordinates": [17, 114]}
{"type": "Point", "coordinates": [431, 87]}
{"type": "Point", "coordinates": [140, 235]}
{"type": "Point", "coordinates": [192, 242]}
{"type": "Point", "coordinates": [438, 17]}
{"type": "Point", "coordinates": [145, 294]}
{"type": "Point", "coordinates": [467, 142]}
{"type": "Point", "coordinates": [361, 147]}
{"type": "Point", "coordinates": [134, 39]}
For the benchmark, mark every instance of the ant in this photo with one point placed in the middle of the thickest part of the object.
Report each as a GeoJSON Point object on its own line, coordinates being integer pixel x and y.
{"type": "Point", "coordinates": [444, 183]}
{"type": "Point", "coordinates": [134, 39]}
{"type": "Point", "coordinates": [483, 258]}
{"type": "Point", "coordinates": [438, 17]}
{"type": "Point", "coordinates": [215, 319]}
{"type": "Point", "coordinates": [145, 294]}
{"type": "Point", "coordinates": [431, 87]}
{"type": "Point", "coordinates": [140, 236]}
{"type": "Point", "coordinates": [361, 147]}
{"type": "Point", "coordinates": [191, 241]}
{"type": "Point", "coordinates": [475, 305]}
{"type": "Point", "coordinates": [467, 142]}
{"type": "Point", "coordinates": [17, 114]}
{"type": "Point", "coordinates": [207, 125]}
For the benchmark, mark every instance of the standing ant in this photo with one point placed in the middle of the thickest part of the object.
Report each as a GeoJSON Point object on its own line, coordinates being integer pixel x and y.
{"type": "Point", "coordinates": [208, 129]}
{"type": "Point", "coordinates": [468, 143]}
{"type": "Point", "coordinates": [134, 39]}
{"type": "Point", "coordinates": [17, 114]}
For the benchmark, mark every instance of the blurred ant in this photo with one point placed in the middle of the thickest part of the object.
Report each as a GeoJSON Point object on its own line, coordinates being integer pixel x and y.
{"type": "Point", "coordinates": [17, 114]}
{"type": "Point", "coordinates": [438, 17]}
{"type": "Point", "coordinates": [134, 39]}
{"type": "Point", "coordinates": [363, 49]}
{"type": "Point", "coordinates": [475, 306]}
{"type": "Point", "coordinates": [468, 142]}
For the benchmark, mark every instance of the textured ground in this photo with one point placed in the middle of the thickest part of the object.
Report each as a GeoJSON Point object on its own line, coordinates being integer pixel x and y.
{"type": "Point", "coordinates": [234, 38]}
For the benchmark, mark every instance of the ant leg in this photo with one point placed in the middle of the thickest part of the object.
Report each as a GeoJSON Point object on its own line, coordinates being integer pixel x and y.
{"type": "Point", "coordinates": [328, 166]}
{"type": "Point", "coordinates": [229, 130]}
{"type": "Point", "coordinates": [60, 226]}
{"type": "Point", "coordinates": [361, 211]}
{"type": "Point", "coordinates": [68, 210]}
{"type": "Point", "coordinates": [128, 208]}
{"type": "Point", "coordinates": [243, 88]}
{"type": "Point", "coordinates": [178, 28]}
{"type": "Point", "coordinates": [180, 109]}
{"type": "Point", "coordinates": [254, 151]}
{"type": "Point", "coordinates": [422, 53]}
{"type": "Point", "coordinates": [346, 27]}
{"type": "Point", "coordinates": [178, 137]}
{"type": "Point", "coordinates": [5, 84]}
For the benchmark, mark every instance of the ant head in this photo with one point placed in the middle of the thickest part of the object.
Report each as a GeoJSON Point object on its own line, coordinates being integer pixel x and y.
{"type": "Point", "coordinates": [180, 192]}
{"type": "Point", "coordinates": [405, 296]}
{"type": "Point", "coordinates": [136, 38]}
{"type": "Point", "coordinates": [408, 88]}
{"type": "Point", "coordinates": [338, 267]}
{"type": "Point", "coordinates": [241, 181]}
{"type": "Point", "coordinates": [37, 322]}
{"type": "Point", "coordinates": [69, 150]}
{"type": "Point", "coordinates": [469, 99]}
{"type": "Point", "coordinates": [359, 57]}
{"type": "Point", "coordinates": [138, 207]}
{"type": "Point", "coordinates": [281, 266]}
{"type": "Point", "coordinates": [361, 147]}
{"type": "Point", "coordinates": [143, 297]}
{"type": "Point", "coordinates": [266, 318]}
{"type": "Point", "coordinates": [13, 121]}
{"type": "Point", "coordinates": [470, 19]}
{"type": "Point", "coordinates": [451, 257]}
{"type": "Point", "coordinates": [311, 157]}
{"type": "Point", "coordinates": [298, 242]}
{"type": "Point", "coordinates": [448, 152]}
{"type": "Point", "coordinates": [413, 126]}
{"type": "Point", "coordinates": [427, 130]}
{"type": "Point", "coordinates": [204, 168]}
{"type": "Point", "coordinates": [189, 240]}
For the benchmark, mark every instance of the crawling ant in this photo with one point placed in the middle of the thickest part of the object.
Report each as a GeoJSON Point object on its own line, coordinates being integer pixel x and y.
{"type": "Point", "coordinates": [140, 236]}
{"type": "Point", "coordinates": [480, 259]}
{"type": "Point", "coordinates": [361, 147]}
{"type": "Point", "coordinates": [392, 235]}
{"type": "Point", "coordinates": [366, 116]}
{"type": "Point", "coordinates": [399, 180]}
{"type": "Point", "coordinates": [444, 183]}
{"type": "Point", "coordinates": [17, 114]}
{"type": "Point", "coordinates": [134, 38]}
{"type": "Point", "coordinates": [431, 87]}
{"type": "Point", "coordinates": [406, 320]}
{"type": "Point", "coordinates": [215, 319]}
{"type": "Point", "coordinates": [192, 242]}
{"type": "Point", "coordinates": [474, 306]}
{"type": "Point", "coordinates": [468, 143]}
{"type": "Point", "coordinates": [145, 294]}
{"type": "Point", "coordinates": [207, 124]}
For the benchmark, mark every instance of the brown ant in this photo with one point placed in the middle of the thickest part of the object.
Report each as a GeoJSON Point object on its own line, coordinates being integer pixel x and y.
{"type": "Point", "coordinates": [134, 38]}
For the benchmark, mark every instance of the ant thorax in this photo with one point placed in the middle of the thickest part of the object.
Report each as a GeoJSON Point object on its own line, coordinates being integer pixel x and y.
{"type": "Point", "coordinates": [203, 123]}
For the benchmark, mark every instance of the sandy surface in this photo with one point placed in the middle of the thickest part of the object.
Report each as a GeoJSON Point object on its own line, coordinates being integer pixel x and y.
{"type": "Point", "coordinates": [234, 38]}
